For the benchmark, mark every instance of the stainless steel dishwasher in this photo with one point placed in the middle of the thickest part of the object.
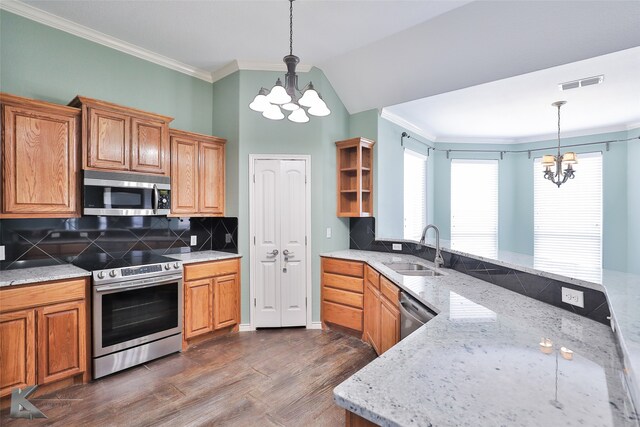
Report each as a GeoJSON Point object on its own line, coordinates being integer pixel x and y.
{"type": "Point", "coordinates": [413, 314]}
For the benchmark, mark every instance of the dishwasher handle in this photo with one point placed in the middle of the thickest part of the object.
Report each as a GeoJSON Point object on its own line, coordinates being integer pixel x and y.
{"type": "Point", "coordinates": [414, 309]}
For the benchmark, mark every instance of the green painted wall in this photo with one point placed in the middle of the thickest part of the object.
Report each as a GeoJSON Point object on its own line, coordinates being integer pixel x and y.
{"type": "Point", "coordinates": [258, 135]}
{"type": "Point", "coordinates": [40, 62]}
{"type": "Point", "coordinates": [633, 202]}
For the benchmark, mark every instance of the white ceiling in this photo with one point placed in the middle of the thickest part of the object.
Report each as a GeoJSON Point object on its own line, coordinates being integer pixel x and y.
{"type": "Point", "coordinates": [518, 109]}
{"type": "Point", "coordinates": [374, 52]}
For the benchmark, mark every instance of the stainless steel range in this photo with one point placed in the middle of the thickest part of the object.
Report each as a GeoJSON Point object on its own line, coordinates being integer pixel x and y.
{"type": "Point", "coordinates": [137, 309]}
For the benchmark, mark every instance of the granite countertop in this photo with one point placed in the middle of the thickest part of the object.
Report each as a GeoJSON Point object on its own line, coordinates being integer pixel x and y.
{"type": "Point", "coordinates": [621, 289]}
{"type": "Point", "coordinates": [479, 362]}
{"type": "Point", "coordinates": [24, 276]}
{"type": "Point", "coordinates": [203, 256]}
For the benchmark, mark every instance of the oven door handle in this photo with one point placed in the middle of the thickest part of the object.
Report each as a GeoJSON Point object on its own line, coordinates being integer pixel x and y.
{"type": "Point", "coordinates": [140, 284]}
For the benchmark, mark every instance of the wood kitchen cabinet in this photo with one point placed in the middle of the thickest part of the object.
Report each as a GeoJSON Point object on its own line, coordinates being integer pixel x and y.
{"type": "Point", "coordinates": [123, 139]}
{"type": "Point", "coordinates": [342, 295]}
{"type": "Point", "coordinates": [355, 177]}
{"type": "Point", "coordinates": [43, 334]}
{"type": "Point", "coordinates": [197, 174]}
{"type": "Point", "coordinates": [389, 314]}
{"type": "Point", "coordinates": [40, 168]}
{"type": "Point", "coordinates": [212, 299]}
{"type": "Point", "coordinates": [372, 308]}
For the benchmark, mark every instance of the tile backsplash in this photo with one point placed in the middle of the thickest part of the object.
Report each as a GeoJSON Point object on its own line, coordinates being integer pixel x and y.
{"type": "Point", "coordinates": [32, 242]}
{"type": "Point", "coordinates": [362, 236]}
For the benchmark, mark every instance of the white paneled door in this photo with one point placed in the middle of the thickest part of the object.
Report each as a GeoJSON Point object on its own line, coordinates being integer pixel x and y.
{"type": "Point", "coordinates": [279, 219]}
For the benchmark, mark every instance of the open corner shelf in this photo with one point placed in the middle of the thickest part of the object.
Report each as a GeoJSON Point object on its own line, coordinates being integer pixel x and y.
{"type": "Point", "coordinates": [355, 177]}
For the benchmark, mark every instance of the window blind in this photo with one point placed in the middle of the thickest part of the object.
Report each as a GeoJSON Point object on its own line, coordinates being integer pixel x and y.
{"type": "Point", "coordinates": [568, 221]}
{"type": "Point", "coordinates": [474, 206]}
{"type": "Point", "coordinates": [415, 194]}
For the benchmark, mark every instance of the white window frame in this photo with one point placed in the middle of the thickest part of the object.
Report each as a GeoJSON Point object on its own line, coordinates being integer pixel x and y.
{"type": "Point", "coordinates": [411, 191]}
{"type": "Point", "coordinates": [468, 244]}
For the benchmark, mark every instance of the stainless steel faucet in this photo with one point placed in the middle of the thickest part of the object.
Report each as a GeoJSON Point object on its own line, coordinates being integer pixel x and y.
{"type": "Point", "coordinates": [438, 261]}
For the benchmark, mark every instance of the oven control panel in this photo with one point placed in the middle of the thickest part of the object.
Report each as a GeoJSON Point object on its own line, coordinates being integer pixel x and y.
{"type": "Point", "coordinates": [140, 270]}
{"type": "Point", "coordinates": [134, 273]}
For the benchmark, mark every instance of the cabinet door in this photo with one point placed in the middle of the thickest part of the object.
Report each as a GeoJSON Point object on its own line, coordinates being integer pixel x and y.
{"type": "Point", "coordinates": [61, 341]}
{"type": "Point", "coordinates": [389, 325]}
{"type": "Point", "coordinates": [226, 300]}
{"type": "Point", "coordinates": [211, 171]}
{"type": "Point", "coordinates": [198, 317]}
{"type": "Point", "coordinates": [17, 350]}
{"type": "Point", "coordinates": [40, 166]}
{"type": "Point", "coordinates": [109, 143]}
{"type": "Point", "coordinates": [372, 316]}
{"type": "Point", "coordinates": [149, 146]}
{"type": "Point", "coordinates": [184, 176]}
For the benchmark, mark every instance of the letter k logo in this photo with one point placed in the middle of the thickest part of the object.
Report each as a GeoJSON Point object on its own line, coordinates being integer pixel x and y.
{"type": "Point", "coordinates": [21, 407]}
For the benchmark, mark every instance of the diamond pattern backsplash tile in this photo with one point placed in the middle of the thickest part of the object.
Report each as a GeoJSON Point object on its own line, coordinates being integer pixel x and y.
{"type": "Point", "coordinates": [35, 242]}
{"type": "Point", "coordinates": [362, 236]}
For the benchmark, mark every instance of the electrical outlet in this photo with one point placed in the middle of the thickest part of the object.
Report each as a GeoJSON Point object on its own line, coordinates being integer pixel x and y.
{"type": "Point", "coordinates": [194, 240]}
{"type": "Point", "coordinates": [328, 232]}
{"type": "Point", "coordinates": [573, 297]}
{"type": "Point", "coordinates": [396, 246]}
{"type": "Point", "coordinates": [227, 238]}
{"type": "Point", "coordinates": [2, 253]}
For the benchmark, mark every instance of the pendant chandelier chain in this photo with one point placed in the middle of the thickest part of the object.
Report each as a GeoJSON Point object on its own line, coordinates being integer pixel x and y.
{"type": "Point", "coordinates": [290, 27]}
{"type": "Point", "coordinates": [559, 130]}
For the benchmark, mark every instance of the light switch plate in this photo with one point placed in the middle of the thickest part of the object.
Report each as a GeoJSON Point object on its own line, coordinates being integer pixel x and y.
{"type": "Point", "coordinates": [573, 297]}
{"type": "Point", "coordinates": [396, 246]}
{"type": "Point", "coordinates": [328, 232]}
{"type": "Point", "coordinates": [2, 253]}
{"type": "Point", "coordinates": [194, 240]}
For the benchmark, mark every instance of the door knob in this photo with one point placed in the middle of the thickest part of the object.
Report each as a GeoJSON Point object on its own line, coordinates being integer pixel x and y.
{"type": "Point", "coordinates": [273, 252]}
{"type": "Point", "coordinates": [287, 253]}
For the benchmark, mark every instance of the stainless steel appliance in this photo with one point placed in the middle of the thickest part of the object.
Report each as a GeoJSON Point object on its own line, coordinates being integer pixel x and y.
{"type": "Point", "coordinates": [125, 194]}
{"type": "Point", "coordinates": [137, 309]}
{"type": "Point", "coordinates": [413, 314]}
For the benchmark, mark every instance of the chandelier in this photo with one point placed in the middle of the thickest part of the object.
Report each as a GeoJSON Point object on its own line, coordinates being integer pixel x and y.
{"type": "Point", "coordinates": [285, 97]}
{"type": "Point", "coordinates": [553, 164]}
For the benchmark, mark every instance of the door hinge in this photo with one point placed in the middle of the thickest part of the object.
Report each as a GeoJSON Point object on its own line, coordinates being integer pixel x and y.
{"type": "Point", "coordinates": [254, 178]}
{"type": "Point", "coordinates": [305, 302]}
{"type": "Point", "coordinates": [254, 240]}
{"type": "Point", "coordinates": [254, 302]}
{"type": "Point", "coordinates": [305, 240]}
{"type": "Point", "coordinates": [305, 179]}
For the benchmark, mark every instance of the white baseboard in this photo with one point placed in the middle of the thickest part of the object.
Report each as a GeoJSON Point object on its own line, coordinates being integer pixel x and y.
{"type": "Point", "coordinates": [246, 327]}
{"type": "Point", "coordinates": [315, 325]}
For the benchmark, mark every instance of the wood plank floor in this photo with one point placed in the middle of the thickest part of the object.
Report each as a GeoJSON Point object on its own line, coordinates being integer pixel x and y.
{"type": "Point", "coordinates": [280, 377]}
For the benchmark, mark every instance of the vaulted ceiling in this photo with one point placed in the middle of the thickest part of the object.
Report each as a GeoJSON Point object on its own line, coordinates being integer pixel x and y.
{"type": "Point", "coordinates": [375, 53]}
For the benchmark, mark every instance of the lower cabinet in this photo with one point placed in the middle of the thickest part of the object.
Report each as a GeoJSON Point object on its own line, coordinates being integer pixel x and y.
{"type": "Point", "coordinates": [212, 299]}
{"type": "Point", "coordinates": [372, 308]}
{"type": "Point", "coordinates": [43, 334]}
{"type": "Point", "coordinates": [342, 295]}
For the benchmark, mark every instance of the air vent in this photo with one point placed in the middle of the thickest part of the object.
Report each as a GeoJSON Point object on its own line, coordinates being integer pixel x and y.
{"type": "Point", "coordinates": [588, 81]}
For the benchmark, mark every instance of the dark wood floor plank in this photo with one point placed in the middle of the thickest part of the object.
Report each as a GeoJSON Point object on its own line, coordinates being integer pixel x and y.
{"type": "Point", "coordinates": [271, 378]}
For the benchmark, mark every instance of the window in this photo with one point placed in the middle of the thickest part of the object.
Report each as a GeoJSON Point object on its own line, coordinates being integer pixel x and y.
{"type": "Point", "coordinates": [568, 221]}
{"type": "Point", "coordinates": [474, 206]}
{"type": "Point", "coordinates": [415, 194]}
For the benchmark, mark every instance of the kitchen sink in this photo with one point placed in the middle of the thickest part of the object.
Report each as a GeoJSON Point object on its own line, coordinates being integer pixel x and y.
{"type": "Point", "coordinates": [412, 269]}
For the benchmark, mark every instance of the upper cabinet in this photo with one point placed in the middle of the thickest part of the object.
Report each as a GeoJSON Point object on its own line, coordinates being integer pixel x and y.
{"type": "Point", "coordinates": [123, 139]}
{"type": "Point", "coordinates": [355, 177]}
{"type": "Point", "coordinates": [40, 171]}
{"type": "Point", "coordinates": [197, 174]}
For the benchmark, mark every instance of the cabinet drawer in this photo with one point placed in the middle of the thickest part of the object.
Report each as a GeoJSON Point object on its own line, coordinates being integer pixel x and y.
{"type": "Point", "coordinates": [389, 290]}
{"type": "Point", "coordinates": [342, 315]}
{"type": "Point", "coordinates": [345, 268]}
{"type": "Point", "coordinates": [352, 284]}
{"type": "Point", "coordinates": [210, 269]}
{"type": "Point", "coordinates": [342, 297]}
{"type": "Point", "coordinates": [41, 294]}
{"type": "Point", "coordinates": [372, 276]}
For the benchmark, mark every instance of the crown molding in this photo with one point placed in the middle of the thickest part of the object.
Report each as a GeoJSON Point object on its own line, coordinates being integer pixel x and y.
{"type": "Point", "coordinates": [394, 118]}
{"type": "Point", "coordinates": [236, 65]}
{"type": "Point", "coordinates": [633, 126]}
{"type": "Point", "coordinates": [452, 139]}
{"type": "Point", "coordinates": [577, 133]}
{"type": "Point", "coordinates": [62, 24]}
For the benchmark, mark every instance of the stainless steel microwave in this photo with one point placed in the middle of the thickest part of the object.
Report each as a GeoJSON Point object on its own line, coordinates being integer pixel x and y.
{"type": "Point", "coordinates": [125, 194]}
